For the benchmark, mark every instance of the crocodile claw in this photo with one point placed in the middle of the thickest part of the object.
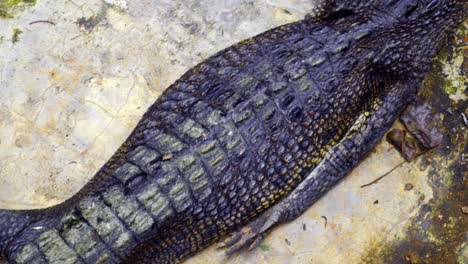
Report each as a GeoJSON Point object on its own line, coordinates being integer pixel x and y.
{"type": "Point", "coordinates": [253, 234]}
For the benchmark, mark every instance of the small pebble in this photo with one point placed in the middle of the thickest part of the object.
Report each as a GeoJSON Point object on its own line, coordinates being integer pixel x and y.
{"type": "Point", "coordinates": [464, 209]}
{"type": "Point", "coordinates": [412, 258]}
{"type": "Point", "coordinates": [409, 187]}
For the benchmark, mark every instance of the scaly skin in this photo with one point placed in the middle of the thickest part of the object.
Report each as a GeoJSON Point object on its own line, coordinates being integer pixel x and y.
{"type": "Point", "coordinates": [253, 135]}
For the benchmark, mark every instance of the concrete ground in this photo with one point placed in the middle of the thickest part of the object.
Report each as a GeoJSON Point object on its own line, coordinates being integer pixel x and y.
{"type": "Point", "coordinates": [76, 76]}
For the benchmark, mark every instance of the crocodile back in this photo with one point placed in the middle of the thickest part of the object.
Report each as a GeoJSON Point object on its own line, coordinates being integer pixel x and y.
{"type": "Point", "coordinates": [248, 125]}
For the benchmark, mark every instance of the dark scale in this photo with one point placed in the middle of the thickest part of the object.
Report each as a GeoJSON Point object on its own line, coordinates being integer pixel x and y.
{"type": "Point", "coordinates": [249, 138]}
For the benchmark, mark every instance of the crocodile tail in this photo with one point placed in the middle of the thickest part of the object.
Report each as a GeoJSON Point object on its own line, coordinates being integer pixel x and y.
{"type": "Point", "coordinates": [12, 222]}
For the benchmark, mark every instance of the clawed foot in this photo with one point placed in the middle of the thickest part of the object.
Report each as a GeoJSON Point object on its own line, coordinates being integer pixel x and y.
{"type": "Point", "coordinates": [253, 233]}
{"type": "Point", "coordinates": [245, 236]}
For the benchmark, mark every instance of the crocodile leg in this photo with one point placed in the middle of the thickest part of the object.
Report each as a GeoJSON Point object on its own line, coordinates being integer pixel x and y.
{"type": "Point", "coordinates": [367, 130]}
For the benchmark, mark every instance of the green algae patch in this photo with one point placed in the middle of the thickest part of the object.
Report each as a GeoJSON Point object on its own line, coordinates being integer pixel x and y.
{"type": "Point", "coordinates": [451, 66]}
{"type": "Point", "coordinates": [16, 35]}
{"type": "Point", "coordinates": [264, 248]}
{"type": "Point", "coordinates": [9, 7]}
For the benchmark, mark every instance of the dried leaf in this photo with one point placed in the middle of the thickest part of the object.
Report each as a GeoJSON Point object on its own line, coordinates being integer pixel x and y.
{"type": "Point", "coordinates": [405, 144]}
{"type": "Point", "coordinates": [423, 122]}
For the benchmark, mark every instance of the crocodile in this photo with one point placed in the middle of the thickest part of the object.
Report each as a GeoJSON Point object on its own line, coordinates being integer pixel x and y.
{"type": "Point", "coordinates": [246, 140]}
